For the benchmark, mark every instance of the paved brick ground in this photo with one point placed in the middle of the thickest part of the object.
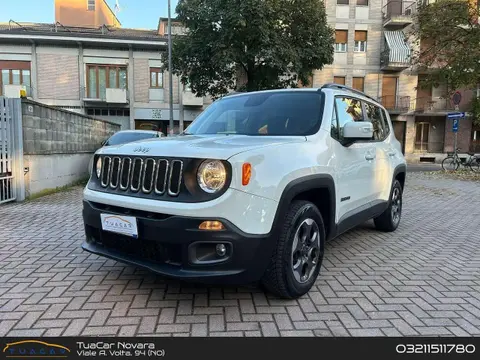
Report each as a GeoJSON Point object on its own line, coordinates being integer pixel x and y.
{"type": "Point", "coordinates": [424, 279]}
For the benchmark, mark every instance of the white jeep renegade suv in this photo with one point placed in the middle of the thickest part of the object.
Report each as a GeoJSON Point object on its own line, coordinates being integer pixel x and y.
{"type": "Point", "coordinates": [251, 190]}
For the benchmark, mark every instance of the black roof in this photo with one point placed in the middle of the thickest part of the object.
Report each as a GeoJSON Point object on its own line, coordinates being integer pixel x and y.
{"type": "Point", "coordinates": [58, 29]}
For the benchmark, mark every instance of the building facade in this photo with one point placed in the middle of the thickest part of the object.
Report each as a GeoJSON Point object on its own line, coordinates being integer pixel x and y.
{"type": "Point", "coordinates": [113, 73]}
{"type": "Point", "coordinates": [85, 13]}
{"type": "Point", "coordinates": [373, 53]}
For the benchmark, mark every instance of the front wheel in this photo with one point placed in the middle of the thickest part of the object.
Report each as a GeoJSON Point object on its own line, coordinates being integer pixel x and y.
{"type": "Point", "coordinates": [296, 261]}
{"type": "Point", "coordinates": [450, 164]}
{"type": "Point", "coordinates": [475, 165]}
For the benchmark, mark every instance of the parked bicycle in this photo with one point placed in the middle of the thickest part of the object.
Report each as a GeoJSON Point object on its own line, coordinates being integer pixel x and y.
{"type": "Point", "coordinates": [452, 162]}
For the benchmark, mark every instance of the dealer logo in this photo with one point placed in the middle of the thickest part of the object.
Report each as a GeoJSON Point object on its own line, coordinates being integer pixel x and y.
{"type": "Point", "coordinates": [35, 349]}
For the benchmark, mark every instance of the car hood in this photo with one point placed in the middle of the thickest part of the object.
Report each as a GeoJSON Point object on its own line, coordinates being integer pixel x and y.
{"type": "Point", "coordinates": [198, 146]}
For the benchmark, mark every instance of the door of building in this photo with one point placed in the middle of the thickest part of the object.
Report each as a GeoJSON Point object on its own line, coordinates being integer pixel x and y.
{"type": "Point", "coordinates": [421, 136]}
{"type": "Point", "coordinates": [399, 129]}
{"type": "Point", "coordinates": [389, 92]}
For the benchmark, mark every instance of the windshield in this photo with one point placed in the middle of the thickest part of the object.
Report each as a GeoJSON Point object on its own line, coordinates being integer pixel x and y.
{"type": "Point", "coordinates": [269, 113]}
{"type": "Point", "coordinates": [122, 138]}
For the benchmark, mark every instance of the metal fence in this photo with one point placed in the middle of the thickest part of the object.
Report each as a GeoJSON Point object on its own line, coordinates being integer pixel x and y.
{"type": "Point", "coordinates": [11, 150]}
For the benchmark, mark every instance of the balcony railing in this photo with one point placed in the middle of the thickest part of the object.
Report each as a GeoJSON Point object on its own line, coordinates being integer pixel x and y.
{"type": "Point", "coordinates": [398, 12]}
{"type": "Point", "coordinates": [432, 104]}
{"type": "Point", "coordinates": [386, 62]}
{"type": "Point", "coordinates": [107, 95]}
{"type": "Point", "coordinates": [395, 103]}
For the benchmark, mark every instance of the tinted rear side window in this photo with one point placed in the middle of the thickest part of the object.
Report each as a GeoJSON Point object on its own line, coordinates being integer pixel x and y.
{"type": "Point", "coordinates": [374, 114]}
{"type": "Point", "coordinates": [270, 113]}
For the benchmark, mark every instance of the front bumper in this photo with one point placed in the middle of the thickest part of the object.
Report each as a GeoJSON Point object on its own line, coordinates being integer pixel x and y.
{"type": "Point", "coordinates": [167, 245]}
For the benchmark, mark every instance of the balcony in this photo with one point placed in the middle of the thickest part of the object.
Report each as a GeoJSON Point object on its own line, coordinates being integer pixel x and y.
{"type": "Point", "coordinates": [15, 91]}
{"type": "Point", "coordinates": [398, 13]}
{"type": "Point", "coordinates": [397, 53]}
{"type": "Point", "coordinates": [107, 95]}
{"type": "Point", "coordinates": [395, 104]}
{"type": "Point", "coordinates": [429, 105]}
{"type": "Point", "coordinates": [190, 99]}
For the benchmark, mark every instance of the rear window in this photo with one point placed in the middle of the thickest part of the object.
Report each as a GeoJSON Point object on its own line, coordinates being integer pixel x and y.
{"type": "Point", "coordinates": [123, 138]}
{"type": "Point", "coordinates": [270, 113]}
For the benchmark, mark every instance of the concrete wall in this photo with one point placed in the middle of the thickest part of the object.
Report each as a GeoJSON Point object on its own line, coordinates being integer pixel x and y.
{"type": "Point", "coordinates": [55, 170]}
{"type": "Point", "coordinates": [58, 145]}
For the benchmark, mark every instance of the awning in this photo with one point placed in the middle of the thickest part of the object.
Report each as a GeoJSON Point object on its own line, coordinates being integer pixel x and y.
{"type": "Point", "coordinates": [399, 50]}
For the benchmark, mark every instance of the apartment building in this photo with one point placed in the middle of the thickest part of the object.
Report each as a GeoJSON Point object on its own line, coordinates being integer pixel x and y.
{"type": "Point", "coordinates": [108, 72]}
{"type": "Point", "coordinates": [373, 53]}
{"type": "Point", "coordinates": [85, 13]}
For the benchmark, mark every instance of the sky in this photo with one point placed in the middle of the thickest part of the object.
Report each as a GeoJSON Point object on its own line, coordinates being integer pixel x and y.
{"type": "Point", "coordinates": [141, 14]}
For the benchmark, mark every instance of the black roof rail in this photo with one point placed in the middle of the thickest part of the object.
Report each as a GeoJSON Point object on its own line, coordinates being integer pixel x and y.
{"type": "Point", "coordinates": [348, 88]}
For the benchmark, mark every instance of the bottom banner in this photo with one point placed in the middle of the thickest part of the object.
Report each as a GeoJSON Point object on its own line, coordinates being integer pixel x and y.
{"type": "Point", "coordinates": [235, 348]}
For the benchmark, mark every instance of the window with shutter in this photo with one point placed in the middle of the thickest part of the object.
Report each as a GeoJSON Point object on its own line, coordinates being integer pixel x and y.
{"type": "Point", "coordinates": [360, 41]}
{"type": "Point", "coordinates": [339, 80]}
{"type": "Point", "coordinates": [358, 83]}
{"type": "Point", "coordinates": [341, 39]}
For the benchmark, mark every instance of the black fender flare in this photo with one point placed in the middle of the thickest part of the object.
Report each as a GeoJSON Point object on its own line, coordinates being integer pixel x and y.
{"type": "Point", "coordinates": [303, 184]}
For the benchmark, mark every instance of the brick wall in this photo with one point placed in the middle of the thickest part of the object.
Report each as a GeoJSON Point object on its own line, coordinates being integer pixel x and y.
{"type": "Point", "coordinates": [47, 130]}
{"type": "Point", "coordinates": [463, 135]}
{"type": "Point", "coordinates": [58, 77]}
{"type": "Point", "coordinates": [142, 79]}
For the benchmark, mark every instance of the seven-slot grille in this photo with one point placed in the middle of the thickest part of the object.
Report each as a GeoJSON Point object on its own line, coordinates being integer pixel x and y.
{"type": "Point", "coordinates": [147, 175]}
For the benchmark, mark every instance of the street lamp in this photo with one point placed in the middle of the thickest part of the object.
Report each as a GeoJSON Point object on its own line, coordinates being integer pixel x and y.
{"type": "Point", "coordinates": [170, 76]}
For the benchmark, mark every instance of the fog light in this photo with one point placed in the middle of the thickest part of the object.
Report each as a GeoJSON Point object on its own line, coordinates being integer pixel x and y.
{"type": "Point", "coordinates": [211, 225]}
{"type": "Point", "coordinates": [221, 249]}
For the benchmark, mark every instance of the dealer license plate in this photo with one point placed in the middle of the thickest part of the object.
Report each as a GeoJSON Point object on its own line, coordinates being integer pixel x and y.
{"type": "Point", "coordinates": [125, 225]}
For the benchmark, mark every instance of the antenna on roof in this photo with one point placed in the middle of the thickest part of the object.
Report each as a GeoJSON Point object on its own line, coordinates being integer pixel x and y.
{"type": "Point", "coordinates": [117, 7]}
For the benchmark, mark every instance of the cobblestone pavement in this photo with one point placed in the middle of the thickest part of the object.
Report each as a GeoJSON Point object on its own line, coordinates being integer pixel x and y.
{"type": "Point", "coordinates": [424, 279]}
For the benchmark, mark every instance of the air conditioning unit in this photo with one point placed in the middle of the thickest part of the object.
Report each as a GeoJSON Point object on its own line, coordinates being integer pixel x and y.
{"type": "Point", "coordinates": [14, 91]}
{"type": "Point", "coordinates": [116, 96]}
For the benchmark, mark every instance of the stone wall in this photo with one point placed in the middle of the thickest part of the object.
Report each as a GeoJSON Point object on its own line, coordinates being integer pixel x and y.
{"type": "Point", "coordinates": [47, 130]}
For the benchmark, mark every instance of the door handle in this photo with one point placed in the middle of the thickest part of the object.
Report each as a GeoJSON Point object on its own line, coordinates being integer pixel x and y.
{"type": "Point", "coordinates": [392, 153]}
{"type": "Point", "coordinates": [369, 156]}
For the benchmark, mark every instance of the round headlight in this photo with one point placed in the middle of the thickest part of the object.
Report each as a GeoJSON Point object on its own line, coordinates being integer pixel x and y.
{"type": "Point", "coordinates": [98, 167]}
{"type": "Point", "coordinates": [211, 176]}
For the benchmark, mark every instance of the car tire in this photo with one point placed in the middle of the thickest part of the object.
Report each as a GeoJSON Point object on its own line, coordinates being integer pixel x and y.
{"type": "Point", "coordinates": [389, 220]}
{"type": "Point", "coordinates": [297, 258]}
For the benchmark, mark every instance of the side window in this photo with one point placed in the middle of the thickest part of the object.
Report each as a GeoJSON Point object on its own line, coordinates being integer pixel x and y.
{"type": "Point", "coordinates": [347, 110]}
{"type": "Point", "coordinates": [386, 123]}
{"type": "Point", "coordinates": [334, 126]}
{"type": "Point", "coordinates": [374, 115]}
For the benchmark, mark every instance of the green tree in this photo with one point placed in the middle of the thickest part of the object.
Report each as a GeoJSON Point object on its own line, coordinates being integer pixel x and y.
{"type": "Point", "coordinates": [449, 36]}
{"type": "Point", "coordinates": [269, 43]}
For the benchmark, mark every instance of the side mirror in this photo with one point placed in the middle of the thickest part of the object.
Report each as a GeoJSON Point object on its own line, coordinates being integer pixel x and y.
{"type": "Point", "coordinates": [357, 130]}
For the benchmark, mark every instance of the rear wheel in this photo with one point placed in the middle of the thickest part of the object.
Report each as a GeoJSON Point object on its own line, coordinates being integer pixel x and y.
{"type": "Point", "coordinates": [450, 164]}
{"type": "Point", "coordinates": [390, 219]}
{"type": "Point", "coordinates": [296, 261]}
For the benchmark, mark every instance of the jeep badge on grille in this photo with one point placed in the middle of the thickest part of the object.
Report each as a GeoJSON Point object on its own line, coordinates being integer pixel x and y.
{"type": "Point", "coordinates": [141, 149]}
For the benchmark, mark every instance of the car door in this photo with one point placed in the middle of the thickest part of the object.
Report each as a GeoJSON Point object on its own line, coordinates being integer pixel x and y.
{"type": "Point", "coordinates": [381, 177]}
{"type": "Point", "coordinates": [354, 164]}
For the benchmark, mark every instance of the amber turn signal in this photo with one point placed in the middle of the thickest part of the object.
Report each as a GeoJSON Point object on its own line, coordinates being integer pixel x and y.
{"type": "Point", "coordinates": [211, 225]}
{"type": "Point", "coordinates": [246, 173]}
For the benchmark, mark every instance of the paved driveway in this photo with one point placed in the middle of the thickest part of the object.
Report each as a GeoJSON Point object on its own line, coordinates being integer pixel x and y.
{"type": "Point", "coordinates": [424, 279]}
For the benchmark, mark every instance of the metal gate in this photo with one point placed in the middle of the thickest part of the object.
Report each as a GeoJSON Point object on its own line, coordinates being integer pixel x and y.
{"type": "Point", "coordinates": [7, 151]}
